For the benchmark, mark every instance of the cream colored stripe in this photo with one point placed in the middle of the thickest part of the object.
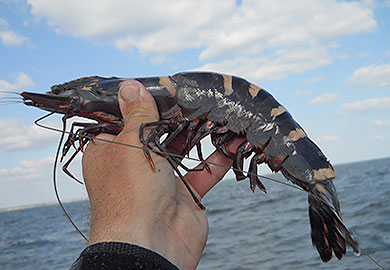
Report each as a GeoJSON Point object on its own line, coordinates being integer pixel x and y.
{"type": "Point", "coordinates": [254, 90]}
{"type": "Point", "coordinates": [227, 84]}
{"type": "Point", "coordinates": [296, 135]}
{"type": "Point", "coordinates": [275, 112]}
{"type": "Point", "coordinates": [323, 174]}
{"type": "Point", "coordinates": [166, 82]}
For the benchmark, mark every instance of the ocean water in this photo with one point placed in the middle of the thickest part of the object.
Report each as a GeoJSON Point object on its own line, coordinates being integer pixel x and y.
{"type": "Point", "coordinates": [247, 231]}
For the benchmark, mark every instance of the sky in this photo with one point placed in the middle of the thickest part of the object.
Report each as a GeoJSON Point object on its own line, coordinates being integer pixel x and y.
{"type": "Point", "coordinates": [327, 62]}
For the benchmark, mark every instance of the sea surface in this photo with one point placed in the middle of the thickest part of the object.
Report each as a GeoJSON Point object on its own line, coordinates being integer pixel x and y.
{"type": "Point", "coordinates": [247, 231]}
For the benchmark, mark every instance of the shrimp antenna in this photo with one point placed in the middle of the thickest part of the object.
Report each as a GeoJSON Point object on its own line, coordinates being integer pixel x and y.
{"type": "Point", "coordinates": [373, 260]}
{"type": "Point", "coordinates": [9, 92]}
{"type": "Point", "coordinates": [63, 132]}
{"type": "Point", "coordinates": [10, 100]}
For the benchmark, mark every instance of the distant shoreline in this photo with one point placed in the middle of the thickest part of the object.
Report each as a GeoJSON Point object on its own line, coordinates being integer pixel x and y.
{"type": "Point", "coordinates": [22, 207]}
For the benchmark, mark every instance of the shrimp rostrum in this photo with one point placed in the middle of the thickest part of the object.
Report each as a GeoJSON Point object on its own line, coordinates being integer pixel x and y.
{"type": "Point", "coordinates": [226, 107]}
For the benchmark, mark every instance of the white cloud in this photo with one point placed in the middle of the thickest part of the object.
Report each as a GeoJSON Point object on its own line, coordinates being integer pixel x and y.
{"type": "Point", "coordinates": [258, 39]}
{"type": "Point", "coordinates": [325, 98]}
{"type": "Point", "coordinates": [370, 77]}
{"type": "Point", "coordinates": [373, 104]}
{"type": "Point", "coordinates": [303, 93]}
{"type": "Point", "coordinates": [11, 38]}
{"type": "Point", "coordinates": [379, 137]}
{"type": "Point", "coordinates": [15, 135]}
{"type": "Point", "coordinates": [39, 169]}
{"type": "Point", "coordinates": [21, 82]}
{"type": "Point", "coordinates": [382, 123]}
{"type": "Point", "coordinates": [327, 138]}
{"type": "Point", "coordinates": [279, 65]}
{"type": "Point", "coordinates": [364, 54]}
{"type": "Point", "coordinates": [313, 80]}
{"type": "Point", "coordinates": [28, 169]}
{"type": "Point", "coordinates": [343, 56]}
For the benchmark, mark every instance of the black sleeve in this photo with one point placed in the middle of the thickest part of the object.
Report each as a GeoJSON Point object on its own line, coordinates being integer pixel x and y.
{"type": "Point", "coordinates": [123, 256]}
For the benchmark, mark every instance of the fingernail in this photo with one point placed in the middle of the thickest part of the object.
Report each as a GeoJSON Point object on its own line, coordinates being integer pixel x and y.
{"type": "Point", "coordinates": [130, 92]}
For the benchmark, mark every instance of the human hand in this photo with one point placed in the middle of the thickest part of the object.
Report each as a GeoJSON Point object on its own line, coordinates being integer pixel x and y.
{"type": "Point", "coordinates": [131, 203]}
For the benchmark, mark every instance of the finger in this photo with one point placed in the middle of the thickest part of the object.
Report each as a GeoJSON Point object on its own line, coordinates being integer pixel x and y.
{"type": "Point", "coordinates": [219, 164]}
{"type": "Point", "coordinates": [137, 106]}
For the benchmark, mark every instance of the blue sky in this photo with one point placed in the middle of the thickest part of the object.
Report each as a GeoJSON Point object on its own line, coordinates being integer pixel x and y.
{"type": "Point", "coordinates": [327, 62]}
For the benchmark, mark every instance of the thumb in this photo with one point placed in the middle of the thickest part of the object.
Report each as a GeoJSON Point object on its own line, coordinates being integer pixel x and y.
{"type": "Point", "coordinates": [137, 106]}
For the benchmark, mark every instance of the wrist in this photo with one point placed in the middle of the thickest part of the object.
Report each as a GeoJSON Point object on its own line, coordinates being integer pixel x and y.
{"type": "Point", "coordinates": [115, 255]}
{"type": "Point", "coordinates": [145, 229]}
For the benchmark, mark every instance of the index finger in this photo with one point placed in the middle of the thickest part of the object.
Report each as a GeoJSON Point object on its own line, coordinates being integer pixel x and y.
{"type": "Point", "coordinates": [219, 164]}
